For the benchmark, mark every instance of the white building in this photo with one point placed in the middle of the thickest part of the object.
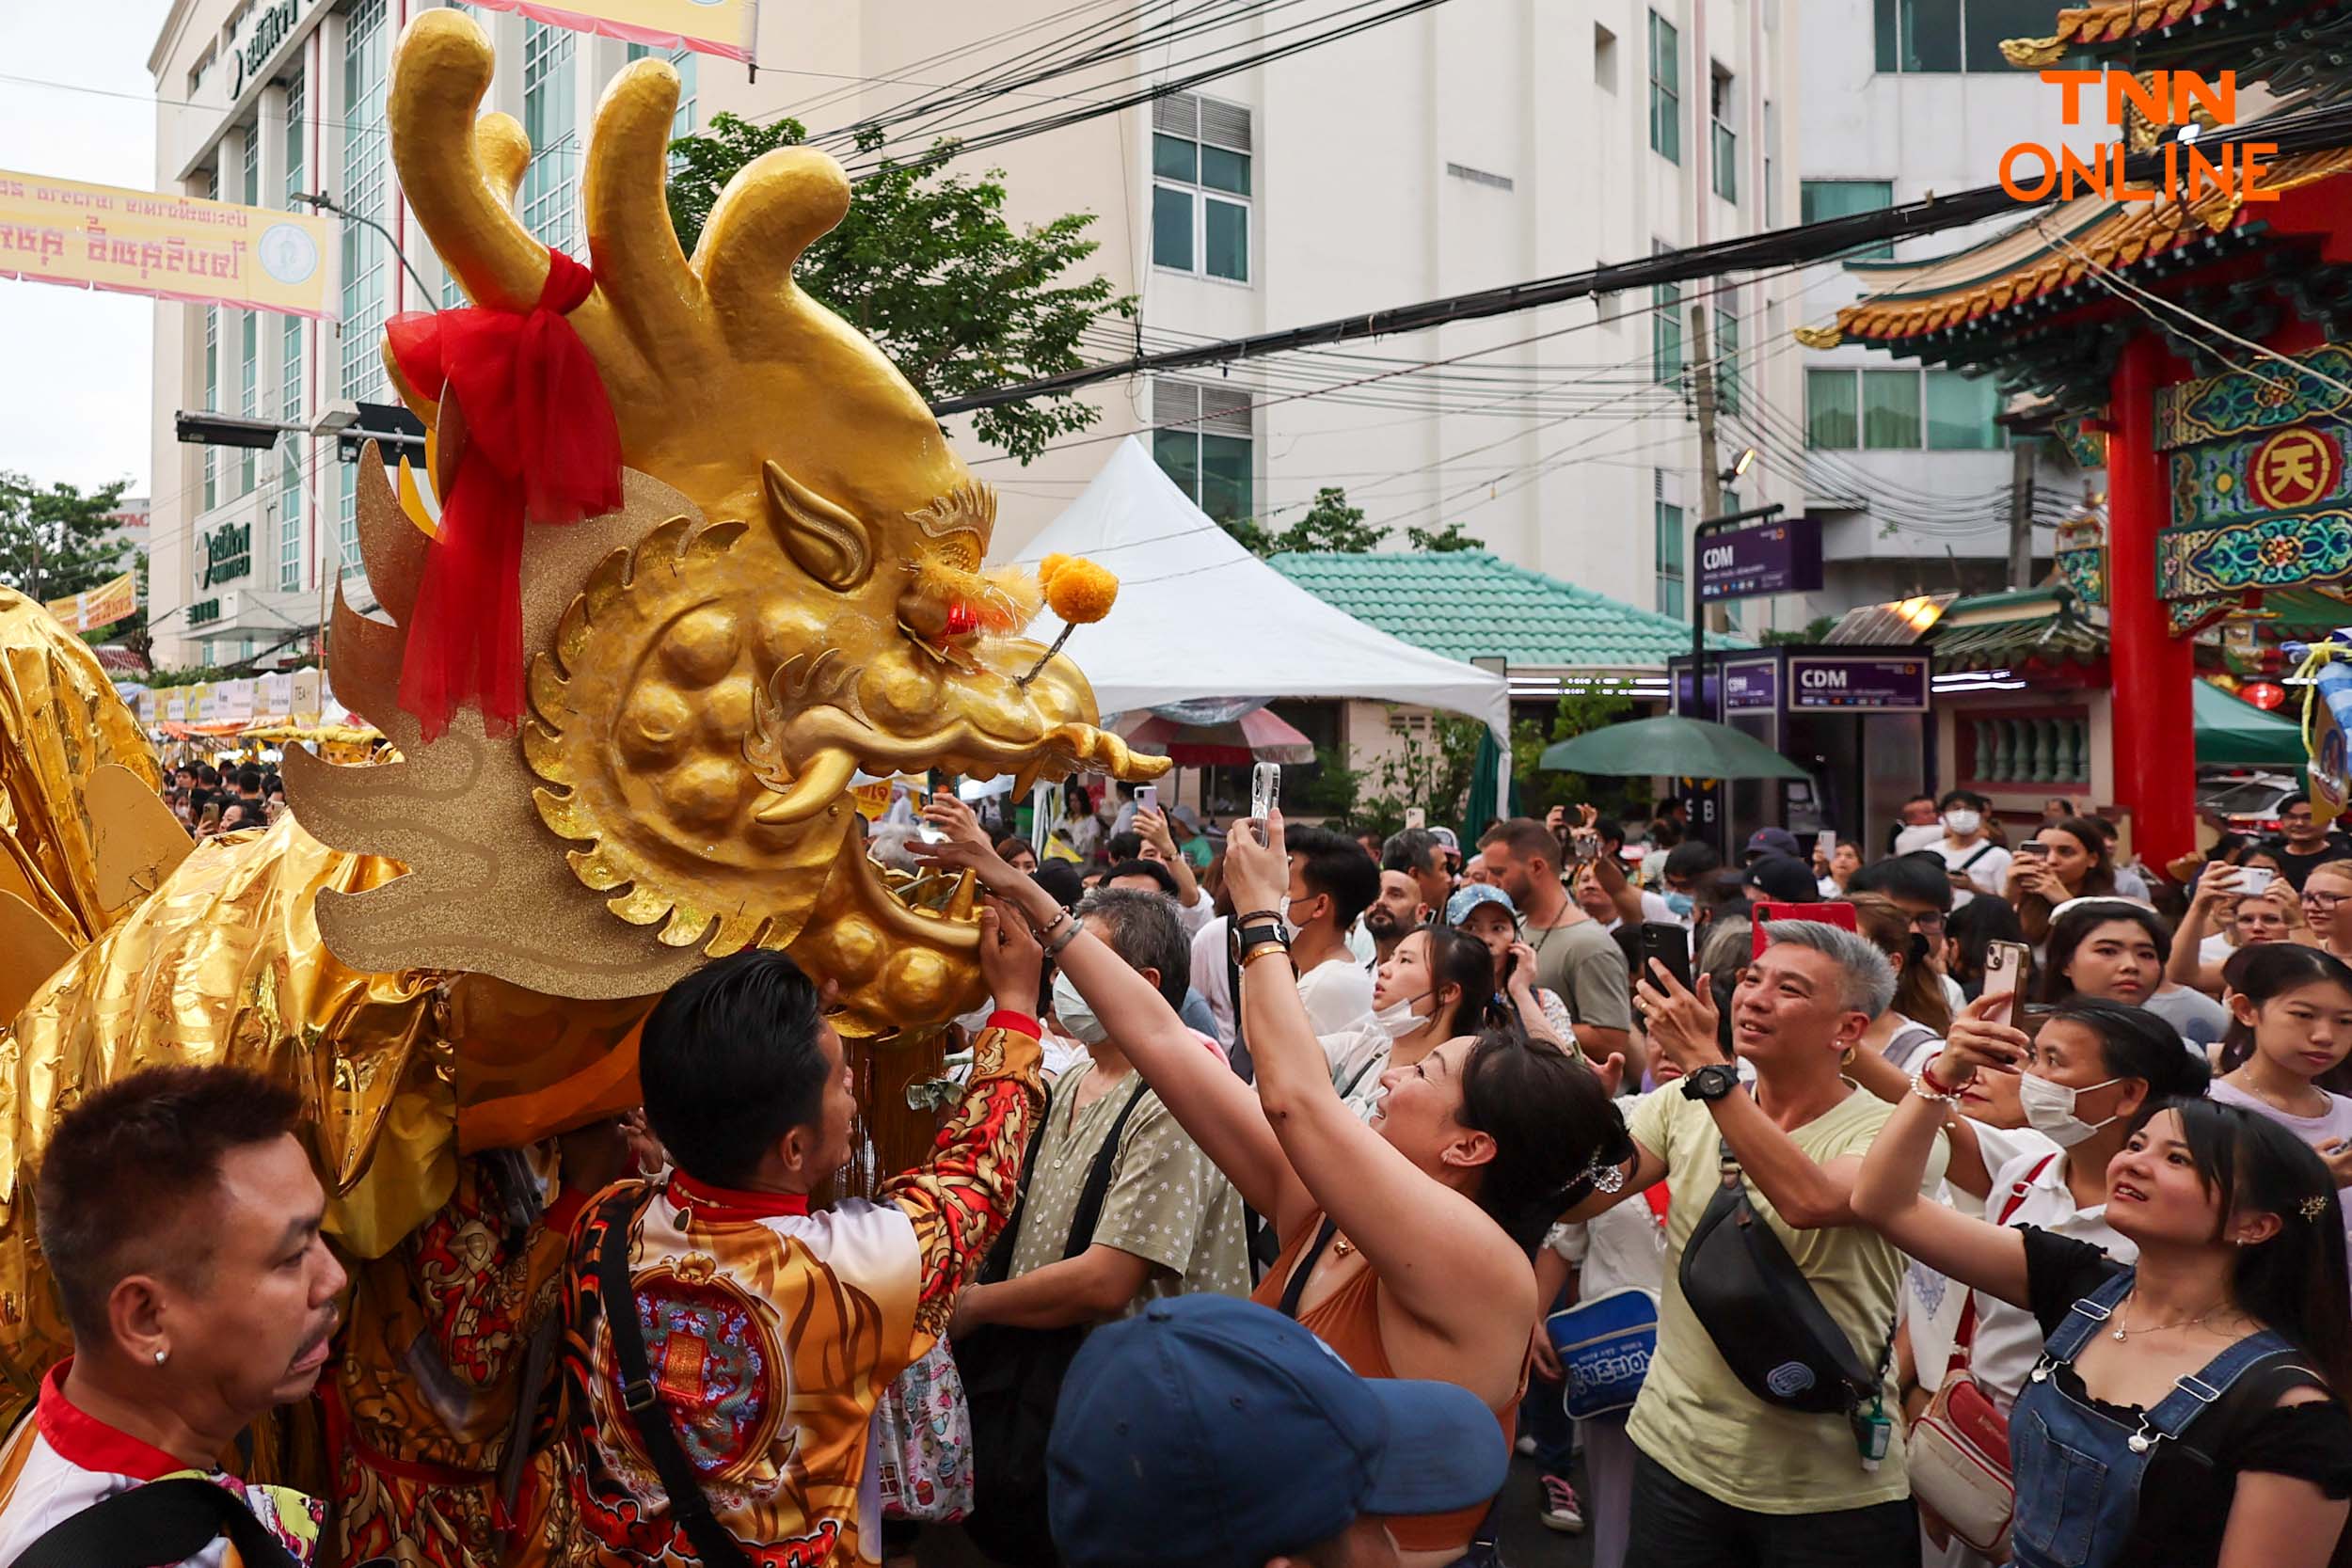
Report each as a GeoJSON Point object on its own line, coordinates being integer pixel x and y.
{"type": "Point", "coordinates": [1479, 143]}
{"type": "Point", "coordinates": [1905, 464]}
{"type": "Point", "coordinates": [256, 104]}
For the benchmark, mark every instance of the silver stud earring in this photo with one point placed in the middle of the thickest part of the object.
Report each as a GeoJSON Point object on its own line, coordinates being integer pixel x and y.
{"type": "Point", "coordinates": [161, 1355]}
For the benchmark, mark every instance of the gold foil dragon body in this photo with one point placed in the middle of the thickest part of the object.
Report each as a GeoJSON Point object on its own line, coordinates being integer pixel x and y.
{"type": "Point", "coordinates": [444, 950]}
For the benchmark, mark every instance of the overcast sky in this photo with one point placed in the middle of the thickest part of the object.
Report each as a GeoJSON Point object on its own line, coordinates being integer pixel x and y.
{"type": "Point", "coordinates": [73, 403]}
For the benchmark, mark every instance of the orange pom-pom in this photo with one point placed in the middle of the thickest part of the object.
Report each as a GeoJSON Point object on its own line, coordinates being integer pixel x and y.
{"type": "Point", "coordinates": [1081, 592]}
{"type": "Point", "coordinates": [1052, 563]}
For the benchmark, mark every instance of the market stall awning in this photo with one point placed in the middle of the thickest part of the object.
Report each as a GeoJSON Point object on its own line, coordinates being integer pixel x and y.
{"type": "Point", "coordinates": [2233, 733]}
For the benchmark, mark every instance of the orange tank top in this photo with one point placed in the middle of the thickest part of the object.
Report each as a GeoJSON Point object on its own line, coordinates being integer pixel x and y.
{"type": "Point", "coordinates": [1348, 1321]}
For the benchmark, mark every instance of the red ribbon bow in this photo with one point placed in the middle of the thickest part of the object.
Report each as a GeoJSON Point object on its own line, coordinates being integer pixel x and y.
{"type": "Point", "coordinates": [541, 444]}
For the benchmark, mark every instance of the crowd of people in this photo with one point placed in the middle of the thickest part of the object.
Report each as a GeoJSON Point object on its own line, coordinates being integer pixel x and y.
{"type": "Point", "coordinates": [210, 800]}
{"type": "Point", "coordinates": [1967, 1197]}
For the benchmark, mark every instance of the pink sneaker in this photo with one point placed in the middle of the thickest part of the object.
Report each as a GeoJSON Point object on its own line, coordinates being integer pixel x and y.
{"type": "Point", "coordinates": [1560, 1511]}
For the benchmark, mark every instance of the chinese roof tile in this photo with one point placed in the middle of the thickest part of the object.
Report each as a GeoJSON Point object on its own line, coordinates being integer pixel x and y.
{"type": "Point", "coordinates": [1473, 604]}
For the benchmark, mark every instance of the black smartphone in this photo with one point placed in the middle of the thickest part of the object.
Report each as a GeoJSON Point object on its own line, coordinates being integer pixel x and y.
{"type": "Point", "coordinates": [1670, 944]}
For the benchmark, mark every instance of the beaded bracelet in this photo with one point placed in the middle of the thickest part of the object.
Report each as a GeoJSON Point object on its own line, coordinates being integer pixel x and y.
{"type": "Point", "coordinates": [1927, 1087]}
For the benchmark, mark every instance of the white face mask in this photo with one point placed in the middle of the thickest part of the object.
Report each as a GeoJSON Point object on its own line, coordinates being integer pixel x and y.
{"type": "Point", "coordinates": [1961, 821]}
{"type": "Point", "coordinates": [1075, 1014]}
{"type": "Point", "coordinates": [1290, 923]}
{"type": "Point", "coordinates": [2050, 1109]}
{"type": "Point", "coordinates": [1398, 1018]}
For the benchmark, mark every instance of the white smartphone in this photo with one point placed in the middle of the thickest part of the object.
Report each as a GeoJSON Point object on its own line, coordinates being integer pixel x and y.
{"type": "Point", "coordinates": [2004, 970]}
{"type": "Point", "coordinates": [1416, 816]}
{"type": "Point", "coordinates": [1265, 788]}
{"type": "Point", "coordinates": [1825, 843]}
{"type": "Point", "coordinates": [1147, 797]}
{"type": "Point", "coordinates": [2254, 880]}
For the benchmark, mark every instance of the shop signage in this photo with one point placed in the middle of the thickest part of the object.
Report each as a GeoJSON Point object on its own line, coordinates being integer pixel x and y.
{"type": "Point", "coordinates": [204, 612]}
{"type": "Point", "coordinates": [1782, 557]}
{"type": "Point", "coordinates": [1881, 684]}
{"type": "Point", "coordinates": [1750, 687]}
{"type": "Point", "coordinates": [228, 554]}
{"type": "Point", "coordinates": [102, 606]}
{"type": "Point", "coordinates": [270, 28]}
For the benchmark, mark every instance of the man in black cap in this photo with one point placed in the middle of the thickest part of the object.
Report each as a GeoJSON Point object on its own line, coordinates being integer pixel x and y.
{"type": "Point", "coordinates": [1210, 1432]}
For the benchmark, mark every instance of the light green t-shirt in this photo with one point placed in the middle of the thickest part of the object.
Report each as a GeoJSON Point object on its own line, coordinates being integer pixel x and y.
{"type": "Point", "coordinates": [1694, 1417]}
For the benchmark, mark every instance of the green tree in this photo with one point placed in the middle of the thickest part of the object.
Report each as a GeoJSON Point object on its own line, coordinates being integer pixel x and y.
{"type": "Point", "coordinates": [1432, 772]}
{"type": "Point", "coordinates": [1540, 790]}
{"type": "Point", "coordinates": [1440, 542]}
{"type": "Point", "coordinates": [1812, 631]}
{"type": "Point", "coordinates": [926, 264]}
{"type": "Point", "coordinates": [1329, 524]}
{"type": "Point", "coordinates": [53, 539]}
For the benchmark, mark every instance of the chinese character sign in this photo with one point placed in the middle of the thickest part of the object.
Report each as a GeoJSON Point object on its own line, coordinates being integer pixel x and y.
{"type": "Point", "coordinates": [177, 248]}
{"type": "Point", "coordinates": [724, 27]}
{"type": "Point", "coordinates": [102, 606]}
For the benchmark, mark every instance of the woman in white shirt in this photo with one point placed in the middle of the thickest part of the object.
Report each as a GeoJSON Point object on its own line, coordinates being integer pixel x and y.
{"type": "Point", "coordinates": [1436, 985]}
{"type": "Point", "coordinates": [2080, 1080]}
{"type": "Point", "coordinates": [2228, 911]}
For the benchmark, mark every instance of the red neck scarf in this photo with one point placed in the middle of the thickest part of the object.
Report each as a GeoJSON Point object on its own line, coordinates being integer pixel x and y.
{"type": "Point", "coordinates": [542, 445]}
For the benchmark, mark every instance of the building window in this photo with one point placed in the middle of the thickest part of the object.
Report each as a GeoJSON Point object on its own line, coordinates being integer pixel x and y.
{"type": "Point", "coordinates": [1665, 326]}
{"type": "Point", "coordinates": [1923, 36]}
{"type": "Point", "coordinates": [1665, 89]}
{"type": "Point", "coordinates": [1204, 444]}
{"type": "Point", "coordinates": [1961, 411]}
{"type": "Point", "coordinates": [548, 121]}
{"type": "Point", "coordinates": [290, 454]}
{"type": "Point", "coordinates": [1604, 58]}
{"type": "Point", "coordinates": [367, 56]}
{"type": "Point", "coordinates": [1200, 186]}
{"type": "Point", "coordinates": [1727, 354]}
{"type": "Point", "coordinates": [1771, 191]}
{"type": "Point", "coordinates": [1890, 410]}
{"type": "Point", "coordinates": [1836, 198]}
{"type": "Point", "coordinates": [297, 143]}
{"type": "Point", "coordinates": [1832, 420]}
{"type": "Point", "coordinates": [1723, 153]}
{"type": "Point", "coordinates": [682, 61]}
{"type": "Point", "coordinates": [1670, 564]}
{"type": "Point", "coordinates": [249, 389]}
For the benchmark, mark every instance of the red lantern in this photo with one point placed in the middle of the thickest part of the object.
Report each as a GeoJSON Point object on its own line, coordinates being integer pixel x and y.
{"type": "Point", "coordinates": [2265, 695]}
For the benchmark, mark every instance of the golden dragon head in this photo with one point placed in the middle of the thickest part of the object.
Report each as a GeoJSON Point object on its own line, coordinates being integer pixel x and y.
{"type": "Point", "coordinates": [791, 592]}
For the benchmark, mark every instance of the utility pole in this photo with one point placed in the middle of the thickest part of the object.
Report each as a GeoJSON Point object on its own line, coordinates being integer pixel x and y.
{"type": "Point", "coordinates": [2021, 456]}
{"type": "Point", "coordinates": [1710, 466]}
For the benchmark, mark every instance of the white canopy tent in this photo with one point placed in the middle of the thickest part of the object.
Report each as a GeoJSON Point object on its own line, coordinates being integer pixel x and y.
{"type": "Point", "coordinates": [1198, 616]}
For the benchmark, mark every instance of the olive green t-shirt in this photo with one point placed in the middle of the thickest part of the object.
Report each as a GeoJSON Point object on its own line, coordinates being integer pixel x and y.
{"type": "Point", "coordinates": [1694, 1417]}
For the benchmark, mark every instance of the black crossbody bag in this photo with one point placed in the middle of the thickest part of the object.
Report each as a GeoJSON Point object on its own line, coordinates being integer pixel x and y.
{"type": "Point", "coordinates": [164, 1521]}
{"type": "Point", "coordinates": [1012, 1377]}
{"type": "Point", "coordinates": [1756, 1305]}
{"type": "Point", "coordinates": [641, 1400]}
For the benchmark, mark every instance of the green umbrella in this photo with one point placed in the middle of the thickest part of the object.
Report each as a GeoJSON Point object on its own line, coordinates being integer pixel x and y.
{"type": "Point", "coordinates": [1684, 748]}
{"type": "Point", "coordinates": [1478, 814]}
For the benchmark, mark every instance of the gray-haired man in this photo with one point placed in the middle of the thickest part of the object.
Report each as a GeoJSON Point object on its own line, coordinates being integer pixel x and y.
{"type": "Point", "coordinates": [1722, 1478]}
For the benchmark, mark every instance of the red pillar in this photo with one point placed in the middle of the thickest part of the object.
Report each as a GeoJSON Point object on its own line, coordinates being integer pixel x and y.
{"type": "Point", "coordinates": [2156, 765]}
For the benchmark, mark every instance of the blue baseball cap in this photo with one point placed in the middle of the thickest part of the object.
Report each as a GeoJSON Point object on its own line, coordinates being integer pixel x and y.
{"type": "Point", "coordinates": [1212, 1432]}
{"type": "Point", "coordinates": [1464, 899]}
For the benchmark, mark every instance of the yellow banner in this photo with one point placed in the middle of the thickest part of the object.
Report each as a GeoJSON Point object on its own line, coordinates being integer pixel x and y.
{"type": "Point", "coordinates": [729, 27]}
{"type": "Point", "coordinates": [178, 247]}
{"type": "Point", "coordinates": [102, 606]}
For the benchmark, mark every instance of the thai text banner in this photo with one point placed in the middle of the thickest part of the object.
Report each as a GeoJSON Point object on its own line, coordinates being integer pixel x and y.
{"type": "Point", "coordinates": [726, 27]}
{"type": "Point", "coordinates": [180, 248]}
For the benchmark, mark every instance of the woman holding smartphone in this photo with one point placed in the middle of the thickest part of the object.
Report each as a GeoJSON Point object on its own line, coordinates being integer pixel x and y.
{"type": "Point", "coordinates": [1407, 1238]}
{"type": "Point", "coordinates": [2240, 902]}
{"type": "Point", "coordinates": [2183, 1409]}
{"type": "Point", "coordinates": [2072, 860]}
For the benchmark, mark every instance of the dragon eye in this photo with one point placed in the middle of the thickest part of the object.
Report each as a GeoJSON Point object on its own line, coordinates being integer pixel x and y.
{"type": "Point", "coordinates": [962, 551]}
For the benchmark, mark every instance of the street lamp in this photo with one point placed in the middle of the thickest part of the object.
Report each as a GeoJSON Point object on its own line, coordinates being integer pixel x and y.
{"type": "Point", "coordinates": [320, 201]}
{"type": "Point", "coordinates": [198, 427]}
{"type": "Point", "coordinates": [1740, 465]}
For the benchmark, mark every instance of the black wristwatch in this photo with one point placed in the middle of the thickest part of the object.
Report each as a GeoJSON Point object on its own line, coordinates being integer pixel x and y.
{"type": "Point", "coordinates": [1711, 1082]}
{"type": "Point", "coordinates": [1243, 940]}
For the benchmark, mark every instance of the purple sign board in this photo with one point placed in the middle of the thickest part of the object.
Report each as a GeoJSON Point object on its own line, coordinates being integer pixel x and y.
{"type": "Point", "coordinates": [1751, 687]}
{"type": "Point", "coordinates": [1873, 683]}
{"type": "Point", "coordinates": [1782, 557]}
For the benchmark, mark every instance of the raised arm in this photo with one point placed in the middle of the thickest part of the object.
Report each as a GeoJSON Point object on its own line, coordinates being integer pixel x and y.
{"type": "Point", "coordinates": [1437, 1256]}
{"type": "Point", "coordinates": [1604, 868]}
{"type": "Point", "coordinates": [1153, 825]}
{"type": "Point", "coordinates": [2186, 966]}
{"type": "Point", "coordinates": [1217, 1108]}
{"type": "Point", "coordinates": [961, 1197]}
{"type": "Point", "coordinates": [1887, 1196]}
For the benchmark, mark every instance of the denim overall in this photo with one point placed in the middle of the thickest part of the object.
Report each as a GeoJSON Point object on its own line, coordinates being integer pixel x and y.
{"type": "Point", "coordinates": [2076, 1472]}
